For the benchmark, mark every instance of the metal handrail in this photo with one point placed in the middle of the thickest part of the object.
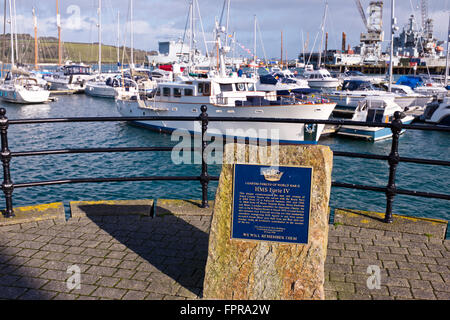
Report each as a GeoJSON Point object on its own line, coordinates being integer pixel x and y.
{"type": "Point", "coordinates": [393, 158]}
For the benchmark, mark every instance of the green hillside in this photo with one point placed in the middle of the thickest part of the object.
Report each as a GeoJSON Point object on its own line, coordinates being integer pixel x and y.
{"type": "Point", "coordinates": [74, 51]}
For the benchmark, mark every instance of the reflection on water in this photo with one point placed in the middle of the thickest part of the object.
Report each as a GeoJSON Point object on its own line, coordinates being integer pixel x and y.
{"type": "Point", "coordinates": [34, 110]}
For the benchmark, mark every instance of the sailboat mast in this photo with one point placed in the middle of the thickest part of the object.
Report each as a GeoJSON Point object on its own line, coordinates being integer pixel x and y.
{"type": "Point", "coordinates": [323, 33]}
{"type": "Point", "coordinates": [15, 31]}
{"type": "Point", "coordinates": [58, 24]}
{"type": "Point", "coordinates": [12, 34]}
{"type": "Point", "coordinates": [35, 41]}
{"type": "Point", "coordinates": [391, 64]}
{"type": "Point", "coordinates": [446, 56]}
{"type": "Point", "coordinates": [99, 36]}
{"type": "Point", "coordinates": [132, 33]}
{"type": "Point", "coordinates": [118, 38]}
{"type": "Point", "coordinates": [254, 39]}
{"type": "Point", "coordinates": [281, 54]}
{"type": "Point", "coordinates": [227, 22]}
{"type": "Point", "coordinates": [4, 33]}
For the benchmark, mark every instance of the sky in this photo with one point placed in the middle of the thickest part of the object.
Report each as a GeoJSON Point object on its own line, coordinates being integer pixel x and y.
{"type": "Point", "coordinates": [162, 20]}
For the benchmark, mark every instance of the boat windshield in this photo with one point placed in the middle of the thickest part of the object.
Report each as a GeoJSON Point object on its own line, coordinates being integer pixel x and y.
{"type": "Point", "coordinates": [357, 85]}
{"type": "Point", "coordinates": [76, 70]}
{"type": "Point", "coordinates": [375, 115]}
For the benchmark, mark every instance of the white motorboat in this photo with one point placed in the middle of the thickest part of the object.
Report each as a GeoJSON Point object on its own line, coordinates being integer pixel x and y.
{"type": "Point", "coordinates": [23, 90]}
{"type": "Point", "coordinates": [408, 98]}
{"type": "Point", "coordinates": [321, 79]}
{"type": "Point", "coordinates": [353, 91]}
{"type": "Point", "coordinates": [228, 97]}
{"type": "Point", "coordinates": [279, 83]}
{"type": "Point", "coordinates": [424, 85]}
{"type": "Point", "coordinates": [103, 88]}
{"type": "Point", "coordinates": [437, 112]}
{"type": "Point", "coordinates": [375, 110]}
{"type": "Point", "coordinates": [70, 77]}
{"type": "Point", "coordinates": [358, 75]}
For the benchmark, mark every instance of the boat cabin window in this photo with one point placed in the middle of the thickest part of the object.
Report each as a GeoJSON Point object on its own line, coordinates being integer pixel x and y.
{"type": "Point", "coordinates": [375, 115]}
{"type": "Point", "coordinates": [224, 87]}
{"type": "Point", "coordinates": [398, 90]}
{"type": "Point", "coordinates": [204, 88]}
{"type": "Point", "coordinates": [166, 92]}
{"type": "Point", "coordinates": [177, 92]}
{"type": "Point", "coordinates": [240, 86]}
{"type": "Point", "coordinates": [188, 92]}
{"type": "Point", "coordinates": [76, 70]}
{"type": "Point", "coordinates": [158, 92]}
{"type": "Point", "coordinates": [251, 86]}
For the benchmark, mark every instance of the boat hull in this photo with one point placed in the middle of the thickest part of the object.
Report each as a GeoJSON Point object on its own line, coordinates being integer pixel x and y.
{"type": "Point", "coordinates": [370, 133]}
{"type": "Point", "coordinates": [348, 103]}
{"type": "Point", "coordinates": [281, 132]}
{"type": "Point", "coordinates": [319, 84]}
{"type": "Point", "coordinates": [24, 96]}
{"type": "Point", "coordinates": [100, 90]}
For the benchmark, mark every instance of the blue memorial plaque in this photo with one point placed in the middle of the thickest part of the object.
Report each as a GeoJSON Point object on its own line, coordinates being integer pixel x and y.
{"type": "Point", "coordinates": [271, 203]}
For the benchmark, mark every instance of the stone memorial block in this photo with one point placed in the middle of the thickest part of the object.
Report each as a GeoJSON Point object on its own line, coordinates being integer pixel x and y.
{"type": "Point", "coordinates": [269, 228]}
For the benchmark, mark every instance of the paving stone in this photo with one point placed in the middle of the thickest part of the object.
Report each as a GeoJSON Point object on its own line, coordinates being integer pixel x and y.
{"type": "Point", "coordinates": [132, 284]}
{"type": "Point", "coordinates": [442, 295]}
{"type": "Point", "coordinates": [102, 271]}
{"type": "Point", "coordinates": [34, 294]}
{"type": "Point", "coordinates": [111, 293]}
{"type": "Point", "coordinates": [107, 282]}
{"type": "Point", "coordinates": [396, 282]}
{"type": "Point", "coordinates": [11, 292]}
{"type": "Point", "coordinates": [400, 292]}
{"type": "Point", "coordinates": [423, 294]}
{"type": "Point", "coordinates": [65, 296]}
{"type": "Point", "coordinates": [431, 276]}
{"type": "Point", "coordinates": [135, 295]}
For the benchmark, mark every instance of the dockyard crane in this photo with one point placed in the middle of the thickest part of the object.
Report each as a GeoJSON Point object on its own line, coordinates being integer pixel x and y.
{"type": "Point", "coordinates": [427, 23]}
{"type": "Point", "coordinates": [361, 12]}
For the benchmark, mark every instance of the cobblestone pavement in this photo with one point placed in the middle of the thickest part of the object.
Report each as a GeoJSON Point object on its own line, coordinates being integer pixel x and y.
{"type": "Point", "coordinates": [138, 257]}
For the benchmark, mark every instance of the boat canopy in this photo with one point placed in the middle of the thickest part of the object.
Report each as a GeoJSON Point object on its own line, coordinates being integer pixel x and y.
{"type": "Point", "coordinates": [353, 85]}
{"type": "Point", "coordinates": [268, 79]}
{"type": "Point", "coordinates": [410, 81]}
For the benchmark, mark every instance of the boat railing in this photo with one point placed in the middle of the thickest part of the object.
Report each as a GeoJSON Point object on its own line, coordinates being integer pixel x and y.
{"type": "Point", "coordinates": [393, 158]}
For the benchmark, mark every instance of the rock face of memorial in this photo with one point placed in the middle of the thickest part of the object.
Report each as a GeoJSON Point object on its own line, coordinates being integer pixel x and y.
{"type": "Point", "coordinates": [243, 269]}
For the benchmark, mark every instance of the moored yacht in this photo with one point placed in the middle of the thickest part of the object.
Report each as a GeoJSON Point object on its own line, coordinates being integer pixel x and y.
{"type": "Point", "coordinates": [70, 77]}
{"type": "Point", "coordinates": [23, 90]}
{"type": "Point", "coordinates": [353, 91]}
{"type": "Point", "coordinates": [437, 112]}
{"type": "Point", "coordinates": [374, 110]}
{"type": "Point", "coordinates": [228, 97]}
{"type": "Point", "coordinates": [321, 79]}
{"type": "Point", "coordinates": [103, 88]}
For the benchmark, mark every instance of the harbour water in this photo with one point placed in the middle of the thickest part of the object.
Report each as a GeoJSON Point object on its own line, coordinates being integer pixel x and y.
{"type": "Point", "coordinates": [413, 143]}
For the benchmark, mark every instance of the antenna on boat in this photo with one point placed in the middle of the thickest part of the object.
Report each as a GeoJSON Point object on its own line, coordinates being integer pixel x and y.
{"type": "Point", "coordinates": [58, 25]}
{"type": "Point", "coordinates": [393, 29]}
{"type": "Point", "coordinates": [323, 32]}
{"type": "Point", "coordinates": [12, 34]}
{"type": "Point", "coordinates": [132, 34]}
{"type": "Point", "coordinates": [118, 39]}
{"type": "Point", "coordinates": [35, 41]}
{"type": "Point", "coordinates": [99, 36]}
{"type": "Point", "coordinates": [446, 55]}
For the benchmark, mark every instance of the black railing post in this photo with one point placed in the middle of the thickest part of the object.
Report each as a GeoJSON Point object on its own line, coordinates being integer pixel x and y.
{"type": "Point", "coordinates": [393, 161]}
{"type": "Point", "coordinates": [5, 155]}
{"type": "Point", "coordinates": [204, 178]}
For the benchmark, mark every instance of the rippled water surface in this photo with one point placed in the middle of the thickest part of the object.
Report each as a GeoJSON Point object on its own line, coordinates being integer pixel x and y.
{"type": "Point", "coordinates": [421, 144]}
